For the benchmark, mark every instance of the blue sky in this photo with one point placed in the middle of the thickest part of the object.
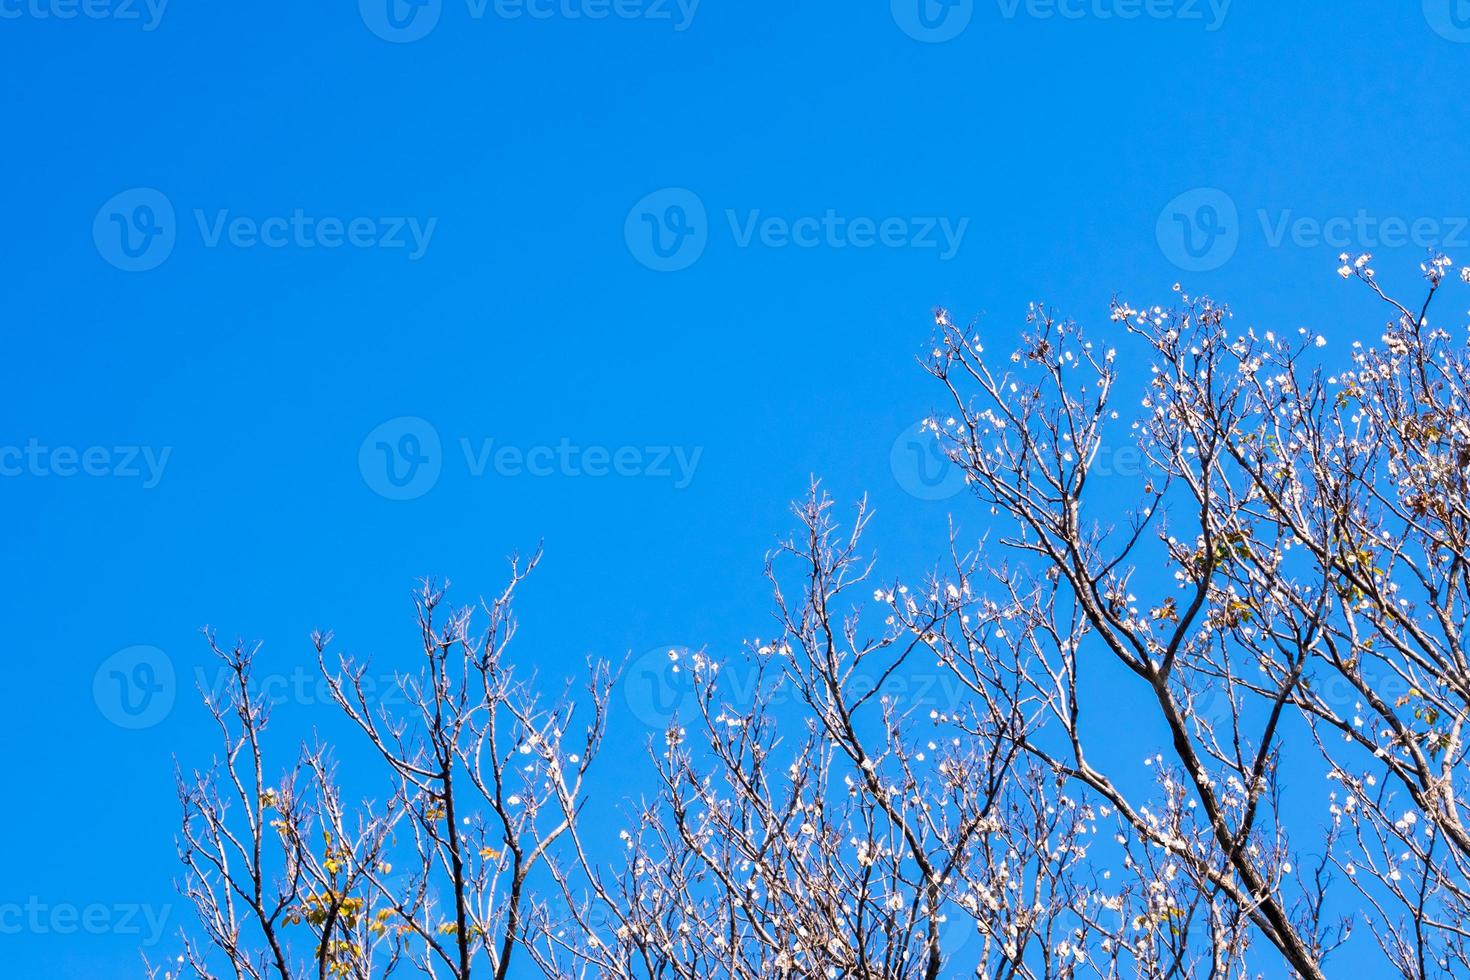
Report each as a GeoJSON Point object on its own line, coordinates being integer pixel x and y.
{"type": "Point", "coordinates": [248, 246]}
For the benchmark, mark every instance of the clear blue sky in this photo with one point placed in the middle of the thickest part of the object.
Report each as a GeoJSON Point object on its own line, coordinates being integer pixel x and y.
{"type": "Point", "coordinates": [529, 311]}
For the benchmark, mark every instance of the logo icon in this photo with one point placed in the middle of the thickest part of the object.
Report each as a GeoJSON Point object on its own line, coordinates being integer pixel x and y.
{"type": "Point", "coordinates": [136, 230]}
{"type": "Point", "coordinates": [668, 230]}
{"type": "Point", "coordinates": [921, 467]}
{"type": "Point", "coordinates": [933, 21]}
{"type": "Point", "coordinates": [135, 688]}
{"type": "Point", "coordinates": [1199, 230]}
{"type": "Point", "coordinates": [1449, 18]}
{"type": "Point", "coordinates": [1210, 704]}
{"type": "Point", "coordinates": [401, 21]}
{"type": "Point", "coordinates": [415, 891]}
{"type": "Point", "coordinates": [593, 915]}
{"type": "Point", "coordinates": [401, 459]}
{"type": "Point", "coordinates": [659, 684]}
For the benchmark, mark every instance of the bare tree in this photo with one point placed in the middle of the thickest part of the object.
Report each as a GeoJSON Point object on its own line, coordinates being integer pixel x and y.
{"type": "Point", "coordinates": [1276, 594]}
{"type": "Point", "coordinates": [1279, 589]}
{"type": "Point", "coordinates": [291, 881]}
